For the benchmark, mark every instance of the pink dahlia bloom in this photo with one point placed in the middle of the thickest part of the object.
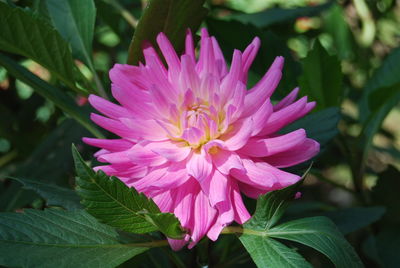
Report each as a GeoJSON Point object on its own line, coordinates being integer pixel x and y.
{"type": "Point", "coordinates": [194, 139]}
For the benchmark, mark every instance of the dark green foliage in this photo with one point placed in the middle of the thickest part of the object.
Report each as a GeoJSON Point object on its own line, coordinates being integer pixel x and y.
{"type": "Point", "coordinates": [172, 17]}
{"type": "Point", "coordinates": [113, 203]}
{"type": "Point", "coordinates": [342, 54]}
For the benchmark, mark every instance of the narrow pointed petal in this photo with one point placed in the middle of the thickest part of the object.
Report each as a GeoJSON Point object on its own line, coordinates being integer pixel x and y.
{"type": "Point", "coordinates": [257, 147]}
{"type": "Point", "coordinates": [296, 155]}
{"type": "Point", "coordinates": [289, 99]}
{"type": "Point", "coordinates": [110, 145]}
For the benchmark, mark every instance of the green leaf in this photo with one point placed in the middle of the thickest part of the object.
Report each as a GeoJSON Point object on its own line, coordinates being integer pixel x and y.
{"type": "Point", "coordinates": [75, 19]}
{"type": "Point", "coordinates": [386, 76]}
{"type": "Point", "coordinates": [57, 238]}
{"type": "Point", "coordinates": [50, 162]}
{"type": "Point", "coordinates": [382, 102]}
{"type": "Point", "coordinates": [351, 219]}
{"type": "Point", "coordinates": [336, 25]}
{"type": "Point", "coordinates": [271, 206]}
{"type": "Point", "coordinates": [273, 16]}
{"type": "Point", "coordinates": [22, 33]}
{"type": "Point", "coordinates": [321, 234]}
{"type": "Point", "coordinates": [58, 97]}
{"type": "Point", "coordinates": [55, 195]}
{"type": "Point", "coordinates": [113, 203]}
{"type": "Point", "coordinates": [172, 17]}
{"type": "Point", "coordinates": [322, 78]}
{"type": "Point", "coordinates": [320, 126]}
{"type": "Point", "coordinates": [267, 252]}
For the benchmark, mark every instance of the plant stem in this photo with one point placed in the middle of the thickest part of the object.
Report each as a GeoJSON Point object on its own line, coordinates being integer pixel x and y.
{"type": "Point", "coordinates": [322, 178]}
{"type": "Point", "coordinates": [124, 13]}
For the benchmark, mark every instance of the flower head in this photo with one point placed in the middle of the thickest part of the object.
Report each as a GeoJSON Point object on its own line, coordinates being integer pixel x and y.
{"type": "Point", "coordinates": [193, 138]}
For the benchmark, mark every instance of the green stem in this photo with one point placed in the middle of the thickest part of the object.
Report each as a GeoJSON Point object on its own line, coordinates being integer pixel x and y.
{"type": "Point", "coordinates": [174, 258]}
{"type": "Point", "coordinates": [124, 13]}
{"type": "Point", "coordinates": [368, 29]}
{"type": "Point", "coordinates": [338, 185]}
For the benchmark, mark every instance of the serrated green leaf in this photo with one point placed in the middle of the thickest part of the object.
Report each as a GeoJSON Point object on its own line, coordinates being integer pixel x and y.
{"type": "Point", "coordinates": [267, 252]}
{"type": "Point", "coordinates": [320, 126]}
{"type": "Point", "coordinates": [112, 202]}
{"type": "Point", "coordinates": [34, 38]}
{"type": "Point", "coordinates": [75, 19]}
{"type": "Point", "coordinates": [54, 94]}
{"type": "Point", "coordinates": [322, 78]}
{"type": "Point", "coordinates": [273, 16]}
{"type": "Point", "coordinates": [271, 206]}
{"type": "Point", "coordinates": [57, 238]}
{"type": "Point", "coordinates": [172, 17]}
{"type": "Point", "coordinates": [321, 234]}
{"type": "Point", "coordinates": [55, 195]}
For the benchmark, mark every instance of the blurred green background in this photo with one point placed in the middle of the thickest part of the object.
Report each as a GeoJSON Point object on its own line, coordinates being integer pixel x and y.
{"type": "Point", "coordinates": [342, 54]}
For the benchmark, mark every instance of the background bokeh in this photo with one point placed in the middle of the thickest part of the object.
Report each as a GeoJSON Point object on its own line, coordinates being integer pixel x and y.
{"type": "Point", "coordinates": [343, 54]}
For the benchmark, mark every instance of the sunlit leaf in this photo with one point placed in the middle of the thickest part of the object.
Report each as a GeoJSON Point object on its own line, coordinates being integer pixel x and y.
{"type": "Point", "coordinates": [34, 38]}
{"type": "Point", "coordinates": [113, 203]}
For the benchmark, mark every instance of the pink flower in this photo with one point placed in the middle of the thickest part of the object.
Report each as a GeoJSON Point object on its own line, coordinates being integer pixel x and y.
{"type": "Point", "coordinates": [193, 138]}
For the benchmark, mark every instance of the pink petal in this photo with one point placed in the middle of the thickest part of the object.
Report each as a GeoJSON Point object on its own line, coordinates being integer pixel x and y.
{"type": "Point", "coordinates": [111, 145]}
{"type": "Point", "coordinates": [234, 75]}
{"type": "Point", "coordinates": [184, 203]}
{"type": "Point", "coordinates": [189, 46]}
{"type": "Point", "coordinates": [118, 157]}
{"type": "Point", "coordinates": [114, 126]}
{"type": "Point", "coordinates": [146, 129]}
{"type": "Point", "coordinates": [141, 155]}
{"type": "Point", "coordinates": [239, 135]}
{"type": "Point", "coordinates": [173, 151]}
{"type": "Point", "coordinates": [257, 147]}
{"type": "Point", "coordinates": [258, 174]}
{"type": "Point", "coordinates": [193, 135]}
{"type": "Point", "coordinates": [204, 217]}
{"type": "Point", "coordinates": [224, 161]}
{"type": "Point", "coordinates": [199, 165]}
{"type": "Point", "coordinates": [248, 56]}
{"type": "Point", "coordinates": [260, 117]}
{"type": "Point", "coordinates": [219, 58]}
{"type": "Point", "coordinates": [143, 184]}
{"type": "Point", "coordinates": [108, 108]}
{"type": "Point", "coordinates": [285, 116]}
{"type": "Point", "coordinates": [296, 155]}
{"type": "Point", "coordinates": [151, 57]}
{"type": "Point", "coordinates": [289, 99]}
{"type": "Point", "coordinates": [264, 88]}
{"type": "Point", "coordinates": [169, 54]}
{"type": "Point", "coordinates": [241, 213]}
{"type": "Point", "coordinates": [165, 201]}
{"type": "Point", "coordinates": [189, 78]}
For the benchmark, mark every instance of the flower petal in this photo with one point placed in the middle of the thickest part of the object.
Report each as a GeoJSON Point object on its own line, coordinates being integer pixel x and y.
{"type": "Point", "coordinates": [298, 154]}
{"type": "Point", "coordinates": [199, 165]}
{"type": "Point", "coordinates": [240, 134]}
{"type": "Point", "coordinates": [257, 147]}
